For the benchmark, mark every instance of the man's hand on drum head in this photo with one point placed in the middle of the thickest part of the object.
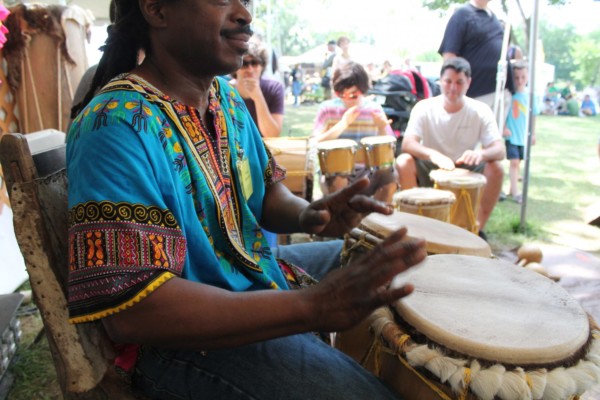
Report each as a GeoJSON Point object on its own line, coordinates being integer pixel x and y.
{"type": "Point", "coordinates": [339, 212]}
{"type": "Point", "coordinates": [441, 160]}
{"type": "Point", "coordinates": [470, 157]}
{"type": "Point", "coordinates": [349, 294]}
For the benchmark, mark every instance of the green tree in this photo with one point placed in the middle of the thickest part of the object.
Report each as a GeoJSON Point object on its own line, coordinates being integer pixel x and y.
{"type": "Point", "coordinates": [558, 48]}
{"type": "Point", "coordinates": [586, 59]}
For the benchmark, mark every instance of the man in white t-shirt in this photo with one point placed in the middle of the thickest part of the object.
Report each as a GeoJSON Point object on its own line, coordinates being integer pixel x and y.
{"type": "Point", "coordinates": [450, 131]}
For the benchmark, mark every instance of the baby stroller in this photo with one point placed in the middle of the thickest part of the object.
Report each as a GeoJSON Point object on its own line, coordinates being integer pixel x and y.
{"type": "Point", "coordinates": [397, 93]}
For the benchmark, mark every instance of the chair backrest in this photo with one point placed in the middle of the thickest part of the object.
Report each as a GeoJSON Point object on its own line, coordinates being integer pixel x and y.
{"type": "Point", "coordinates": [37, 186]}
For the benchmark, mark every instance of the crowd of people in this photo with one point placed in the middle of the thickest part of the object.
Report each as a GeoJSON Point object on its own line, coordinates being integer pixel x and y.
{"type": "Point", "coordinates": [171, 187]}
{"type": "Point", "coordinates": [566, 101]}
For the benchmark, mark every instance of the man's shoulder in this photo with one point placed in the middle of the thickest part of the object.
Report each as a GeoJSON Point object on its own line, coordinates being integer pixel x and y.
{"type": "Point", "coordinates": [464, 11]}
{"type": "Point", "coordinates": [270, 84]}
{"type": "Point", "coordinates": [428, 104]}
{"type": "Point", "coordinates": [476, 105]}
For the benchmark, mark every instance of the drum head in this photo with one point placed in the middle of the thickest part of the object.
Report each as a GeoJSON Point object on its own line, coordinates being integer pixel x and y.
{"type": "Point", "coordinates": [374, 140]}
{"type": "Point", "coordinates": [441, 237]}
{"type": "Point", "coordinates": [425, 196]}
{"type": "Point", "coordinates": [337, 144]}
{"type": "Point", "coordinates": [458, 178]}
{"type": "Point", "coordinates": [492, 310]}
{"type": "Point", "coordinates": [287, 145]}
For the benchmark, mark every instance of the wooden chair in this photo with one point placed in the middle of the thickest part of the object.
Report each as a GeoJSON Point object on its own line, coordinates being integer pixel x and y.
{"type": "Point", "coordinates": [37, 185]}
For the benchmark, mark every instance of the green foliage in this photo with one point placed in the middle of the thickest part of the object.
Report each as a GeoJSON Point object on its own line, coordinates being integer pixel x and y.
{"type": "Point", "coordinates": [586, 59]}
{"type": "Point", "coordinates": [557, 48]}
{"type": "Point", "coordinates": [428, 56]}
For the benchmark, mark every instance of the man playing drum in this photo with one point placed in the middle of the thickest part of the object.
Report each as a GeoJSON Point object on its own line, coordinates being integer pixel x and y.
{"type": "Point", "coordinates": [452, 130]}
{"type": "Point", "coordinates": [352, 116]}
{"type": "Point", "coordinates": [169, 185]}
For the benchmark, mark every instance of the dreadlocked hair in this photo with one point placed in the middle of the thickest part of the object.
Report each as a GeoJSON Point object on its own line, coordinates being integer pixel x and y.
{"type": "Point", "coordinates": [126, 36]}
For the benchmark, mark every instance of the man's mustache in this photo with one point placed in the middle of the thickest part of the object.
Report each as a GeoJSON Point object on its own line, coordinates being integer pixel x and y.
{"type": "Point", "coordinates": [246, 29]}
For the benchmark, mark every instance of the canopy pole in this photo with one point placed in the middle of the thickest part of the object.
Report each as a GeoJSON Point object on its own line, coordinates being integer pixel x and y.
{"type": "Point", "coordinates": [530, 124]}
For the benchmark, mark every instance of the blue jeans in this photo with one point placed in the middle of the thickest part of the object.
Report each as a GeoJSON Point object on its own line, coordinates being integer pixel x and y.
{"type": "Point", "coordinates": [299, 367]}
{"type": "Point", "coordinates": [316, 258]}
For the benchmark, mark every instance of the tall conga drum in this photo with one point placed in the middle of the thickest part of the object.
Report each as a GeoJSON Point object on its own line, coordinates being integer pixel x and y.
{"type": "Point", "coordinates": [296, 156]}
{"type": "Point", "coordinates": [467, 186]}
{"type": "Point", "coordinates": [337, 157]}
{"type": "Point", "coordinates": [441, 237]}
{"type": "Point", "coordinates": [480, 328]}
{"type": "Point", "coordinates": [428, 202]}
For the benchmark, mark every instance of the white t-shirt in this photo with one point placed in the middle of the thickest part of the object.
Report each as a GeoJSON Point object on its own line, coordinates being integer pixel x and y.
{"type": "Point", "coordinates": [452, 134]}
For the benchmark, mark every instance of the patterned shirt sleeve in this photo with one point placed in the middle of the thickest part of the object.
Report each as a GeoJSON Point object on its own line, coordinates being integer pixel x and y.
{"type": "Point", "coordinates": [124, 242]}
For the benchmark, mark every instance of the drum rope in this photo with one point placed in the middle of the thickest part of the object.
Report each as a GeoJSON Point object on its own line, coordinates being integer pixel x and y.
{"type": "Point", "coordinates": [466, 383]}
{"type": "Point", "coordinates": [25, 115]}
{"type": "Point", "coordinates": [36, 101]}
{"type": "Point", "coordinates": [528, 380]}
{"type": "Point", "coordinates": [470, 214]}
{"type": "Point", "coordinates": [376, 350]}
{"type": "Point", "coordinates": [441, 394]}
{"type": "Point", "coordinates": [59, 88]}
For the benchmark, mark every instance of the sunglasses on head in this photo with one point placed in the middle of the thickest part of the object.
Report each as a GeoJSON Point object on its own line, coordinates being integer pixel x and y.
{"type": "Point", "coordinates": [350, 96]}
{"type": "Point", "coordinates": [248, 63]}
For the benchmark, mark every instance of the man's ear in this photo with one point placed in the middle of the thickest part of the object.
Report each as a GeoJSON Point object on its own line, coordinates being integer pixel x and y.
{"type": "Point", "coordinates": [153, 12]}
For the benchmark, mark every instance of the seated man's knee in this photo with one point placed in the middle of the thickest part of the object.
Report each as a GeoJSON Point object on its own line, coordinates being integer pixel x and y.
{"type": "Point", "coordinates": [405, 160]}
{"type": "Point", "coordinates": [493, 170]}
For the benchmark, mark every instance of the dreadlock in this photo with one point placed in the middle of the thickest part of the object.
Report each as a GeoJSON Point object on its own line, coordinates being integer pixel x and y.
{"type": "Point", "coordinates": [127, 34]}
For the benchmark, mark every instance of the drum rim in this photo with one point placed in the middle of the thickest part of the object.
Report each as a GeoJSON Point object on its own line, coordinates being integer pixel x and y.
{"type": "Point", "coordinates": [476, 245]}
{"type": "Point", "coordinates": [446, 197]}
{"type": "Point", "coordinates": [470, 180]}
{"type": "Point", "coordinates": [378, 140]}
{"type": "Point", "coordinates": [344, 144]}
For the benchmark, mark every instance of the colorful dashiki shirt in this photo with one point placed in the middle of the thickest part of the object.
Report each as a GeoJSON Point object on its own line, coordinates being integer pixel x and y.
{"type": "Point", "coordinates": [331, 112]}
{"type": "Point", "coordinates": [152, 196]}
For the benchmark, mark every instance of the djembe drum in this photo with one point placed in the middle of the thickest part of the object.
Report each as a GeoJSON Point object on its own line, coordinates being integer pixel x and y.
{"type": "Point", "coordinates": [467, 186]}
{"type": "Point", "coordinates": [441, 237]}
{"type": "Point", "coordinates": [295, 155]}
{"type": "Point", "coordinates": [428, 202]}
{"type": "Point", "coordinates": [380, 151]}
{"type": "Point", "coordinates": [479, 328]}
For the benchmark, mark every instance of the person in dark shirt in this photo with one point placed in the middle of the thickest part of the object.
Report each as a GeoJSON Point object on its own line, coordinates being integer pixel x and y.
{"type": "Point", "coordinates": [263, 97]}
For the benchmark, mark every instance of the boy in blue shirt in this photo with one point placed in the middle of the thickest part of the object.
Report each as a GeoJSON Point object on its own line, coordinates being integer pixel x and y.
{"type": "Point", "coordinates": [516, 127]}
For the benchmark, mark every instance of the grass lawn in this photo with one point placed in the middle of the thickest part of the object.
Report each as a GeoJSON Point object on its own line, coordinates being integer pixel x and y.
{"type": "Point", "coordinates": [564, 182]}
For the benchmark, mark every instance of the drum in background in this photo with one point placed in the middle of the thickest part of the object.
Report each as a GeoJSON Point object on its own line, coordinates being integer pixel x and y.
{"type": "Point", "coordinates": [46, 58]}
{"type": "Point", "coordinates": [295, 155]}
{"type": "Point", "coordinates": [467, 186]}
{"type": "Point", "coordinates": [361, 157]}
{"type": "Point", "coordinates": [441, 237]}
{"type": "Point", "coordinates": [479, 328]}
{"type": "Point", "coordinates": [337, 157]}
{"type": "Point", "coordinates": [429, 202]}
{"type": "Point", "coordinates": [380, 151]}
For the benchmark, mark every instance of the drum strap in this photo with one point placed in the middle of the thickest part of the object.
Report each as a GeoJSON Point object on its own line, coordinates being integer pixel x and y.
{"type": "Point", "coordinates": [426, 381]}
{"type": "Point", "coordinates": [464, 196]}
{"type": "Point", "coordinates": [383, 321]}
